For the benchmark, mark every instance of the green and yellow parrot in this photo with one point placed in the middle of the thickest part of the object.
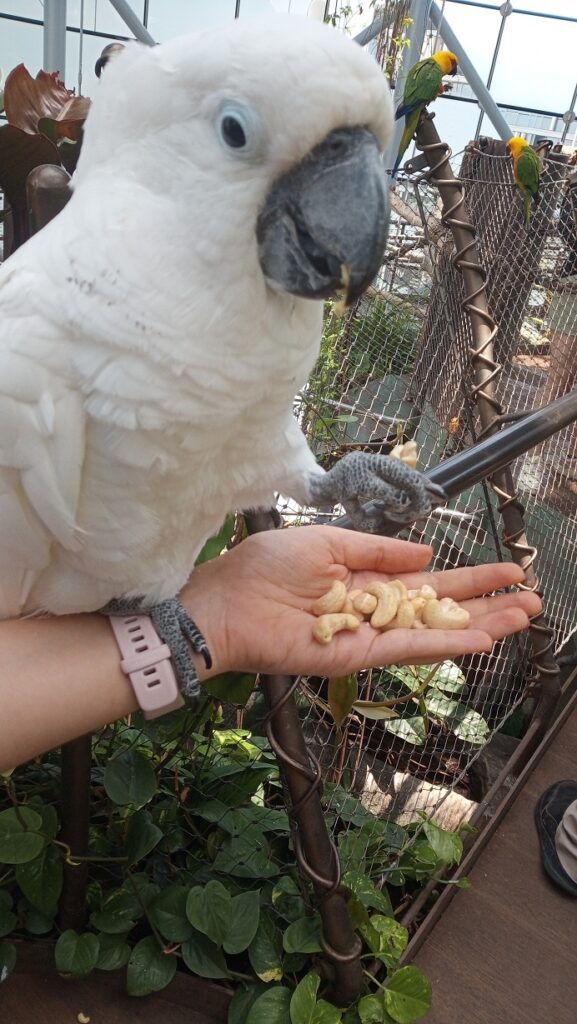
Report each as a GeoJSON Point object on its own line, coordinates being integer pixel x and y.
{"type": "Point", "coordinates": [527, 172]}
{"type": "Point", "coordinates": [424, 83]}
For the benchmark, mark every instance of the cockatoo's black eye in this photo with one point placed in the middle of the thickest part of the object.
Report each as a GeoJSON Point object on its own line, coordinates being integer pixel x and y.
{"type": "Point", "coordinates": [233, 132]}
{"type": "Point", "coordinates": [240, 129]}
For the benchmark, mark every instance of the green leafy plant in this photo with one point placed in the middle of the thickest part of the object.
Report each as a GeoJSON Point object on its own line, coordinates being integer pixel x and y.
{"type": "Point", "coordinates": [408, 700]}
{"type": "Point", "coordinates": [371, 344]}
{"type": "Point", "coordinates": [384, 341]}
{"type": "Point", "coordinates": [191, 867]}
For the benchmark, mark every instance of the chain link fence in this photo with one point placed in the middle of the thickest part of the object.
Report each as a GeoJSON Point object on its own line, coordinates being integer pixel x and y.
{"type": "Point", "coordinates": [397, 367]}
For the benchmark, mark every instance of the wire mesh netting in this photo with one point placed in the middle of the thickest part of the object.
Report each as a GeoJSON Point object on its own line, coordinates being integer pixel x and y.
{"type": "Point", "coordinates": [399, 367]}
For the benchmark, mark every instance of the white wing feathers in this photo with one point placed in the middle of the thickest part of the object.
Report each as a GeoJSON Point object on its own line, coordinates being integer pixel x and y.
{"type": "Point", "coordinates": [41, 454]}
{"type": "Point", "coordinates": [147, 369]}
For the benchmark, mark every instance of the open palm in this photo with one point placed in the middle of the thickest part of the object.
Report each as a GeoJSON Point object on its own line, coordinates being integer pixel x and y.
{"type": "Point", "coordinates": [254, 603]}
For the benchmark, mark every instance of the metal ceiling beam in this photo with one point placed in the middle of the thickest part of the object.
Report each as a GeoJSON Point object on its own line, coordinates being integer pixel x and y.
{"type": "Point", "coordinates": [133, 21]}
{"type": "Point", "coordinates": [486, 101]}
{"type": "Point", "coordinates": [54, 48]}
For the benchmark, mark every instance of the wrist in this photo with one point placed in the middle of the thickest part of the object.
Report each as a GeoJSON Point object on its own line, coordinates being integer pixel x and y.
{"type": "Point", "coordinates": [204, 600]}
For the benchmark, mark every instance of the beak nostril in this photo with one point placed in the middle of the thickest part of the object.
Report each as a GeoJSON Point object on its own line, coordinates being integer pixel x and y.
{"type": "Point", "coordinates": [336, 146]}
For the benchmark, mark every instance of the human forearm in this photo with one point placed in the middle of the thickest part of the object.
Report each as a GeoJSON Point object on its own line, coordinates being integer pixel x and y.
{"type": "Point", "coordinates": [60, 678]}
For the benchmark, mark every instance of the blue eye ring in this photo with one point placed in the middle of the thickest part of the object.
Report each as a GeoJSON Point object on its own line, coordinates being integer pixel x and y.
{"type": "Point", "coordinates": [240, 129]}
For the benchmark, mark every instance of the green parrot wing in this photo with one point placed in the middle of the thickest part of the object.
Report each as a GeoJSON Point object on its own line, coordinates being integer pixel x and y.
{"type": "Point", "coordinates": [529, 170]}
{"type": "Point", "coordinates": [422, 85]}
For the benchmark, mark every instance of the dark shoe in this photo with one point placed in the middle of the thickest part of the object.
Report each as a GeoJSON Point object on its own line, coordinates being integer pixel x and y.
{"type": "Point", "coordinates": [548, 813]}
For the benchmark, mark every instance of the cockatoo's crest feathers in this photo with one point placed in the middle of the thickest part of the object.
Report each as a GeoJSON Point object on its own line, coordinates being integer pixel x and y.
{"type": "Point", "coordinates": [288, 80]}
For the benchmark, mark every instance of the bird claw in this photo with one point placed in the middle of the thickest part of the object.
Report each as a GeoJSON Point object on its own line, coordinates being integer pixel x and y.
{"type": "Point", "coordinates": [176, 628]}
{"type": "Point", "coordinates": [398, 492]}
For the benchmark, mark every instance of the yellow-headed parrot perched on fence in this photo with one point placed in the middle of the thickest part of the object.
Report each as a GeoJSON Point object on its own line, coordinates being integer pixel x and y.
{"type": "Point", "coordinates": [527, 172]}
{"type": "Point", "coordinates": [424, 83]}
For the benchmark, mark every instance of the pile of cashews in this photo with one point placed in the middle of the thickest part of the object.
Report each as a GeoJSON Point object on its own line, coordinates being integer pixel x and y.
{"type": "Point", "coordinates": [386, 606]}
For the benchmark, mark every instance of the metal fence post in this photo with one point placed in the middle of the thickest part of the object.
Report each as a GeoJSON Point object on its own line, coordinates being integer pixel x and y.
{"type": "Point", "coordinates": [316, 853]}
{"type": "Point", "coordinates": [54, 55]}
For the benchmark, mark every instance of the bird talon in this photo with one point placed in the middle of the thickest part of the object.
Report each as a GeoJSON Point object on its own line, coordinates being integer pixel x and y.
{"type": "Point", "coordinates": [437, 492]}
{"type": "Point", "coordinates": [193, 635]}
{"type": "Point", "coordinates": [176, 628]}
{"type": "Point", "coordinates": [403, 493]}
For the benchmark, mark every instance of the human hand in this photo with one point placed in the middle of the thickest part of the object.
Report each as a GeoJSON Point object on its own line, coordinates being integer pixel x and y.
{"type": "Point", "coordinates": [253, 604]}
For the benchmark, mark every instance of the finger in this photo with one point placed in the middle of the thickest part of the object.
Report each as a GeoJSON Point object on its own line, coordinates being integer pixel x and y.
{"type": "Point", "coordinates": [503, 622]}
{"type": "Point", "coordinates": [367, 649]}
{"type": "Point", "coordinates": [440, 645]}
{"type": "Point", "coordinates": [470, 581]}
{"type": "Point", "coordinates": [462, 583]}
{"type": "Point", "coordinates": [360, 551]}
{"type": "Point", "coordinates": [480, 606]}
{"type": "Point", "coordinates": [415, 646]}
{"type": "Point", "coordinates": [434, 644]}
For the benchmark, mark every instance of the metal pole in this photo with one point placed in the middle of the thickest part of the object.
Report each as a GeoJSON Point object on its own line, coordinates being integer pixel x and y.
{"type": "Point", "coordinates": [80, 47]}
{"type": "Point", "coordinates": [517, 10]}
{"type": "Point", "coordinates": [419, 12]}
{"type": "Point", "coordinates": [315, 851]}
{"type": "Point", "coordinates": [369, 33]}
{"type": "Point", "coordinates": [567, 116]}
{"type": "Point", "coordinates": [477, 84]}
{"type": "Point", "coordinates": [134, 23]}
{"type": "Point", "coordinates": [54, 56]}
{"type": "Point", "coordinates": [506, 10]}
{"type": "Point", "coordinates": [485, 458]}
{"type": "Point", "coordinates": [237, 9]}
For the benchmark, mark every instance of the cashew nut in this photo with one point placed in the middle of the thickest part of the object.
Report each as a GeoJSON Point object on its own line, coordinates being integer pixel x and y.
{"type": "Point", "coordinates": [388, 606]}
{"type": "Point", "coordinates": [326, 626]}
{"type": "Point", "coordinates": [445, 614]}
{"type": "Point", "coordinates": [82, 1018]}
{"type": "Point", "coordinates": [404, 618]}
{"type": "Point", "coordinates": [406, 453]}
{"type": "Point", "coordinates": [418, 604]}
{"type": "Point", "coordinates": [349, 608]}
{"type": "Point", "coordinates": [400, 588]}
{"type": "Point", "coordinates": [425, 591]}
{"type": "Point", "coordinates": [387, 603]}
{"type": "Point", "coordinates": [332, 601]}
{"type": "Point", "coordinates": [363, 602]}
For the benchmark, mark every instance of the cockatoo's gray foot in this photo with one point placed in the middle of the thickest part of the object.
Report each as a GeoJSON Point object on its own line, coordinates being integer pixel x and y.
{"type": "Point", "coordinates": [403, 493]}
{"type": "Point", "coordinates": [176, 628]}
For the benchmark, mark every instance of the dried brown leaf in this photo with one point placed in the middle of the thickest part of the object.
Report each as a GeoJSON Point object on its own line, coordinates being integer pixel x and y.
{"type": "Point", "coordinates": [69, 123]}
{"type": "Point", "coordinates": [28, 99]}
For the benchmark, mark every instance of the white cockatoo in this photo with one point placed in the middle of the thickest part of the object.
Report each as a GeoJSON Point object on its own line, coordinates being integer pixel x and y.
{"type": "Point", "coordinates": [154, 334]}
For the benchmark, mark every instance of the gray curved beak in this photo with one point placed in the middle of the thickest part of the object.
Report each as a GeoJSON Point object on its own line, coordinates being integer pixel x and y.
{"type": "Point", "coordinates": [324, 224]}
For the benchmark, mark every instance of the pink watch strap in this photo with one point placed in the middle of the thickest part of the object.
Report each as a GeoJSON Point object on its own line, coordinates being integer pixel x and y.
{"type": "Point", "coordinates": [146, 662]}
